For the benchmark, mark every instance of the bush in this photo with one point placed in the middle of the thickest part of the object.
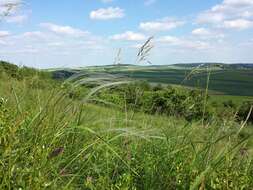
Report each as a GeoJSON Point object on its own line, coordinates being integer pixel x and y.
{"type": "Point", "coordinates": [10, 69]}
{"type": "Point", "coordinates": [21, 73]}
{"type": "Point", "coordinates": [173, 102]}
{"type": "Point", "coordinates": [158, 87]}
{"type": "Point", "coordinates": [169, 101]}
{"type": "Point", "coordinates": [244, 111]}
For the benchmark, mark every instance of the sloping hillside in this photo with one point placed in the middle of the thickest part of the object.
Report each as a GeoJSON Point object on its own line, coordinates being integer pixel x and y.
{"type": "Point", "coordinates": [224, 79]}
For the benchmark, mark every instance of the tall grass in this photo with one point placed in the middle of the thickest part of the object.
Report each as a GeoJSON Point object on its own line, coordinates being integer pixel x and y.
{"type": "Point", "coordinates": [51, 141]}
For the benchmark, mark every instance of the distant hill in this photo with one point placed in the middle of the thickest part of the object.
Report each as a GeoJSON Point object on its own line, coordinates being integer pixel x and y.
{"type": "Point", "coordinates": [221, 65]}
{"type": "Point", "coordinates": [230, 79]}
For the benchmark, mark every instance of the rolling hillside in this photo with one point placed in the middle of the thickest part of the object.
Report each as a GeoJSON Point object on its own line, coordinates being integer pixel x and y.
{"type": "Point", "coordinates": [228, 79]}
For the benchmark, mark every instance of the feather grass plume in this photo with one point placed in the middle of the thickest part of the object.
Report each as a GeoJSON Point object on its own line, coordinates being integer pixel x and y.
{"type": "Point", "coordinates": [106, 80]}
{"type": "Point", "coordinates": [118, 59]}
{"type": "Point", "coordinates": [8, 8]}
{"type": "Point", "coordinates": [144, 51]}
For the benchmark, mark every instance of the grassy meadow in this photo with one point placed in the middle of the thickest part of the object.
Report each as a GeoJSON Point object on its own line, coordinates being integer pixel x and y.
{"type": "Point", "coordinates": [52, 139]}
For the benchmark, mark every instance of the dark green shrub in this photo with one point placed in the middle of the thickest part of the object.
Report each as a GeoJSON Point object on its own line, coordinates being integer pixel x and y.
{"type": "Point", "coordinates": [244, 111]}
{"type": "Point", "coordinates": [169, 101]}
{"type": "Point", "coordinates": [144, 85]}
{"type": "Point", "coordinates": [21, 73]}
{"type": "Point", "coordinates": [172, 102]}
{"type": "Point", "coordinates": [10, 69]}
{"type": "Point", "coordinates": [76, 93]}
{"type": "Point", "coordinates": [158, 87]}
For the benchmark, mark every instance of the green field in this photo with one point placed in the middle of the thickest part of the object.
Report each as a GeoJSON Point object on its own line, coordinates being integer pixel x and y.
{"type": "Point", "coordinates": [236, 99]}
{"type": "Point", "coordinates": [237, 82]}
{"type": "Point", "coordinates": [229, 82]}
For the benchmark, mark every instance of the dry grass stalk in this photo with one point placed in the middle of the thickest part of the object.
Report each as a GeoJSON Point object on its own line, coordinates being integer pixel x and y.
{"type": "Point", "coordinates": [144, 51]}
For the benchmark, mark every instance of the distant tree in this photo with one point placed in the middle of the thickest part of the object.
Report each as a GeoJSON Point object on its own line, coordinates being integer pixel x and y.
{"type": "Point", "coordinates": [10, 69]}
{"type": "Point", "coordinates": [158, 87]}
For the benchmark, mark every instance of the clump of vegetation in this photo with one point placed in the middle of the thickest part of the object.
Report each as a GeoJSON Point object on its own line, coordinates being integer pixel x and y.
{"type": "Point", "coordinates": [245, 112]}
{"type": "Point", "coordinates": [36, 79]}
{"type": "Point", "coordinates": [170, 101]}
{"type": "Point", "coordinates": [9, 69]}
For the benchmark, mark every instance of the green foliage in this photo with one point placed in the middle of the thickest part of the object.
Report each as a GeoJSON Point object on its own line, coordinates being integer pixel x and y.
{"type": "Point", "coordinates": [5, 123]}
{"type": "Point", "coordinates": [173, 102]}
{"type": "Point", "coordinates": [21, 73]}
{"type": "Point", "coordinates": [158, 100]}
{"type": "Point", "coordinates": [158, 87]}
{"type": "Point", "coordinates": [244, 111]}
{"type": "Point", "coordinates": [235, 111]}
{"type": "Point", "coordinates": [10, 69]}
{"type": "Point", "coordinates": [229, 104]}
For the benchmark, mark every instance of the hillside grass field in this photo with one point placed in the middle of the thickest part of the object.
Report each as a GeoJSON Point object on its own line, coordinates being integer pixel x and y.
{"type": "Point", "coordinates": [134, 126]}
{"type": "Point", "coordinates": [237, 82]}
{"type": "Point", "coordinates": [51, 140]}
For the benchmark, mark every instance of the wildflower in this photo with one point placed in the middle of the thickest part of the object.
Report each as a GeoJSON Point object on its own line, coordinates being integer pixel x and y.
{"type": "Point", "coordinates": [89, 181]}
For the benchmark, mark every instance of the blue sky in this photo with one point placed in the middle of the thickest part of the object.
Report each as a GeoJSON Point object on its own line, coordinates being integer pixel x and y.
{"type": "Point", "coordinates": [77, 33]}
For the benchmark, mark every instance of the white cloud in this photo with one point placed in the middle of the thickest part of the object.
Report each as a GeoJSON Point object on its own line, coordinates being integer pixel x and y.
{"type": "Point", "coordinates": [3, 43]}
{"type": "Point", "coordinates": [169, 39]}
{"type": "Point", "coordinates": [196, 45]}
{"type": "Point", "coordinates": [34, 34]}
{"type": "Point", "coordinates": [240, 24]}
{"type": "Point", "coordinates": [107, 14]}
{"type": "Point", "coordinates": [5, 2]}
{"type": "Point", "coordinates": [161, 25]}
{"type": "Point", "coordinates": [208, 34]}
{"type": "Point", "coordinates": [50, 47]}
{"type": "Point", "coordinates": [149, 2]}
{"type": "Point", "coordinates": [248, 43]}
{"type": "Point", "coordinates": [247, 14]}
{"type": "Point", "coordinates": [238, 3]}
{"type": "Point", "coordinates": [55, 44]}
{"type": "Point", "coordinates": [64, 30]}
{"type": "Point", "coordinates": [17, 19]}
{"type": "Point", "coordinates": [20, 51]}
{"type": "Point", "coordinates": [233, 14]}
{"type": "Point", "coordinates": [129, 36]}
{"type": "Point", "coordinates": [184, 43]}
{"type": "Point", "coordinates": [4, 34]}
{"type": "Point", "coordinates": [210, 18]}
{"type": "Point", "coordinates": [201, 32]}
